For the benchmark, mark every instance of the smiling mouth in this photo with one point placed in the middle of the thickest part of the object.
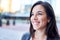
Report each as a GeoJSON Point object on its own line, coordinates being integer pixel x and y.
{"type": "Point", "coordinates": [36, 23]}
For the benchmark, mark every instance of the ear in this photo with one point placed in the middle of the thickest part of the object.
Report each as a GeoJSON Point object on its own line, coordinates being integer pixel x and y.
{"type": "Point", "coordinates": [48, 19]}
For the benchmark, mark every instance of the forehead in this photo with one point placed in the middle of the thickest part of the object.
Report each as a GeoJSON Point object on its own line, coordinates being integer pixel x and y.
{"type": "Point", "coordinates": [38, 8]}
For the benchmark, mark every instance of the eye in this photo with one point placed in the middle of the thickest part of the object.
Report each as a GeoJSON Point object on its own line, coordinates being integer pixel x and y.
{"type": "Point", "coordinates": [32, 14]}
{"type": "Point", "coordinates": [39, 13]}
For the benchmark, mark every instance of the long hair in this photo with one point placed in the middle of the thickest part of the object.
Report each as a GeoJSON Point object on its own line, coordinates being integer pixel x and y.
{"type": "Point", "coordinates": [51, 29]}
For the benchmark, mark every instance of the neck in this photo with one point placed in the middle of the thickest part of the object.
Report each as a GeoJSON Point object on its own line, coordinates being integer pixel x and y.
{"type": "Point", "coordinates": [40, 34]}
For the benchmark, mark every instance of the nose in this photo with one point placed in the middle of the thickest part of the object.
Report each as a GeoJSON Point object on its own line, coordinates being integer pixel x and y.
{"type": "Point", "coordinates": [35, 17]}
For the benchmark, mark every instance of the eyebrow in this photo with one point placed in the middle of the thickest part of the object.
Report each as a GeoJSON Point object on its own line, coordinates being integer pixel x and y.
{"type": "Point", "coordinates": [39, 11]}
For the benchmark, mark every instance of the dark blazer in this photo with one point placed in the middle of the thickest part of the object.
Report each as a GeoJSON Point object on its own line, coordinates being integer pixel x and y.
{"type": "Point", "coordinates": [27, 37]}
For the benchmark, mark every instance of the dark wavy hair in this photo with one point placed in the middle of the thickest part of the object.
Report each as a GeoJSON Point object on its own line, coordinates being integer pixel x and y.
{"type": "Point", "coordinates": [51, 29]}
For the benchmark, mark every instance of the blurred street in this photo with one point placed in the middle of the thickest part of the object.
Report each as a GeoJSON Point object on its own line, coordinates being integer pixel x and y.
{"type": "Point", "coordinates": [13, 32]}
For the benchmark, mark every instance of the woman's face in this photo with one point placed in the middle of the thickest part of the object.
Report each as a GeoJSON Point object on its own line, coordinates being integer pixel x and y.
{"type": "Point", "coordinates": [39, 18]}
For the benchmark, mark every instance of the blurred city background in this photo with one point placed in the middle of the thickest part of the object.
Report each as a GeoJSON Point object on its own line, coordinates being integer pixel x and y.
{"type": "Point", "coordinates": [14, 17]}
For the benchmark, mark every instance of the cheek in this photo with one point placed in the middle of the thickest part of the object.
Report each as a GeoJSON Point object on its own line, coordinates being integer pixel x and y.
{"type": "Point", "coordinates": [31, 19]}
{"type": "Point", "coordinates": [43, 21]}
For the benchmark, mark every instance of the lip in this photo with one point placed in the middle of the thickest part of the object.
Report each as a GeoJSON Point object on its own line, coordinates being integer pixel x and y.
{"type": "Point", "coordinates": [36, 22]}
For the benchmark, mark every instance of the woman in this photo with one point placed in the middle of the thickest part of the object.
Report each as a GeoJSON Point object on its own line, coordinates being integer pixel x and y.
{"type": "Point", "coordinates": [43, 23]}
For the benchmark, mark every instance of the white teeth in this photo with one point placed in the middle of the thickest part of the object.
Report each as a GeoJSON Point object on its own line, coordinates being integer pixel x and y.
{"type": "Point", "coordinates": [36, 22]}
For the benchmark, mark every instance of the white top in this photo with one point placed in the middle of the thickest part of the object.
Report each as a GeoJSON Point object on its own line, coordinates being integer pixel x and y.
{"type": "Point", "coordinates": [31, 38]}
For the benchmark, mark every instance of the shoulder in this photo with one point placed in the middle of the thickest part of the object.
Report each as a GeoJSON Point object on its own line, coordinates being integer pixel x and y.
{"type": "Point", "coordinates": [26, 36]}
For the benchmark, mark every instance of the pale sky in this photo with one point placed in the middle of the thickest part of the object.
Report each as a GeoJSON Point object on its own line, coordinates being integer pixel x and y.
{"type": "Point", "coordinates": [19, 5]}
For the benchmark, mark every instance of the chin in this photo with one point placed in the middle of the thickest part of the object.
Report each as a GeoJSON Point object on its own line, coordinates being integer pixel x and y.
{"type": "Point", "coordinates": [36, 28]}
